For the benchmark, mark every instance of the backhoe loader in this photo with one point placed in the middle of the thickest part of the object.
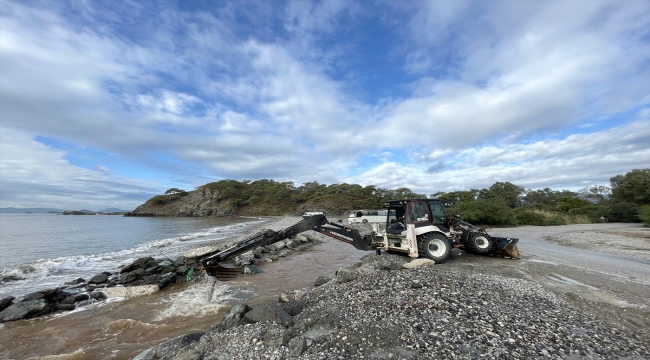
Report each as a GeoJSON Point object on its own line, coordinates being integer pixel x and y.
{"type": "Point", "coordinates": [417, 227]}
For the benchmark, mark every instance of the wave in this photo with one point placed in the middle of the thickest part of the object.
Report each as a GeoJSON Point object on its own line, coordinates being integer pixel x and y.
{"type": "Point", "coordinates": [49, 273]}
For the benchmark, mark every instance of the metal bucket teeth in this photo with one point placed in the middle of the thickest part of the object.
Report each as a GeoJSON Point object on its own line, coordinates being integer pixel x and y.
{"type": "Point", "coordinates": [225, 272]}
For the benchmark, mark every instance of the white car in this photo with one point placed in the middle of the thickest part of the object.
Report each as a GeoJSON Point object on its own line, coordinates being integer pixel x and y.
{"type": "Point", "coordinates": [312, 213]}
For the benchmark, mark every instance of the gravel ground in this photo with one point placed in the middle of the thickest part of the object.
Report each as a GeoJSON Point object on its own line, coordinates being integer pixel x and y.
{"type": "Point", "coordinates": [633, 242]}
{"type": "Point", "coordinates": [376, 309]}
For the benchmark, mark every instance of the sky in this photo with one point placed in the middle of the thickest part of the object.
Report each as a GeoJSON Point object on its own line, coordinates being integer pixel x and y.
{"type": "Point", "coordinates": [108, 103]}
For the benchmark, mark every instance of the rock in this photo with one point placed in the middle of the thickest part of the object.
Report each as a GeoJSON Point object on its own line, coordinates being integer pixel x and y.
{"type": "Point", "coordinates": [270, 312]}
{"type": "Point", "coordinates": [131, 291]}
{"type": "Point", "coordinates": [9, 278]}
{"type": "Point", "coordinates": [170, 348]}
{"type": "Point", "coordinates": [98, 279]}
{"type": "Point", "coordinates": [287, 296]}
{"type": "Point", "coordinates": [97, 295]}
{"type": "Point", "coordinates": [234, 316]}
{"type": "Point", "coordinates": [322, 280]}
{"type": "Point", "coordinates": [417, 263]}
{"type": "Point", "coordinates": [75, 282]}
{"type": "Point", "coordinates": [285, 252]}
{"type": "Point", "coordinates": [276, 335]}
{"type": "Point", "coordinates": [165, 262]}
{"type": "Point", "coordinates": [5, 302]}
{"type": "Point", "coordinates": [252, 269]}
{"type": "Point", "coordinates": [297, 345]}
{"type": "Point", "coordinates": [276, 246]}
{"type": "Point", "coordinates": [166, 279]}
{"type": "Point", "coordinates": [33, 296]}
{"type": "Point", "coordinates": [190, 355]}
{"type": "Point", "coordinates": [344, 275]}
{"type": "Point", "coordinates": [293, 307]}
{"type": "Point", "coordinates": [25, 309]}
{"type": "Point", "coordinates": [246, 257]}
{"type": "Point", "coordinates": [302, 238]}
{"type": "Point", "coordinates": [64, 307]}
{"type": "Point", "coordinates": [132, 276]}
{"type": "Point", "coordinates": [142, 263]}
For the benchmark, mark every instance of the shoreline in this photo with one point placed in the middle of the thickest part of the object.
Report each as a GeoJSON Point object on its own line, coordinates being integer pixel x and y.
{"type": "Point", "coordinates": [335, 313]}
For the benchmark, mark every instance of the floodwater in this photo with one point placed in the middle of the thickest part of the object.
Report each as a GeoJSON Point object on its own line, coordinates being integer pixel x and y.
{"type": "Point", "coordinates": [123, 329]}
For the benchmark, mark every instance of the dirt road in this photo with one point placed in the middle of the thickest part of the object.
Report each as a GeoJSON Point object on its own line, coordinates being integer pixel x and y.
{"type": "Point", "coordinates": [609, 285]}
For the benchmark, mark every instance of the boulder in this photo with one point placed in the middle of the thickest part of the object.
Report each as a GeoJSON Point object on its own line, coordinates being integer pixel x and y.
{"type": "Point", "coordinates": [344, 275]}
{"type": "Point", "coordinates": [276, 335]}
{"type": "Point", "coordinates": [276, 246]}
{"type": "Point", "coordinates": [75, 282]}
{"type": "Point", "coordinates": [25, 309]}
{"type": "Point", "coordinates": [64, 307]}
{"type": "Point", "coordinates": [170, 348]}
{"type": "Point", "coordinates": [290, 295]}
{"type": "Point", "coordinates": [195, 253]}
{"type": "Point", "coordinates": [166, 262]}
{"type": "Point", "coordinates": [9, 278]}
{"type": "Point", "coordinates": [285, 252]}
{"type": "Point", "coordinates": [252, 269]}
{"type": "Point", "coordinates": [302, 238]}
{"type": "Point", "coordinates": [417, 263]}
{"type": "Point", "coordinates": [234, 316]}
{"type": "Point", "coordinates": [5, 302]}
{"type": "Point", "coordinates": [97, 295]}
{"type": "Point", "coordinates": [166, 279]}
{"type": "Point", "coordinates": [98, 279]}
{"type": "Point", "coordinates": [131, 291]}
{"type": "Point", "coordinates": [132, 276]}
{"type": "Point", "coordinates": [142, 263]}
{"type": "Point", "coordinates": [297, 345]}
{"type": "Point", "coordinates": [293, 307]}
{"type": "Point", "coordinates": [269, 312]}
{"type": "Point", "coordinates": [322, 280]}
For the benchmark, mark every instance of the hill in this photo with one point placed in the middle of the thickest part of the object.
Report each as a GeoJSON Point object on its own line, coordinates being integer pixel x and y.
{"type": "Point", "coordinates": [267, 198]}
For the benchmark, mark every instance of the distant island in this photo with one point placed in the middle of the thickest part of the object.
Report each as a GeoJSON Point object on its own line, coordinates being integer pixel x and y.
{"type": "Point", "coordinates": [107, 211]}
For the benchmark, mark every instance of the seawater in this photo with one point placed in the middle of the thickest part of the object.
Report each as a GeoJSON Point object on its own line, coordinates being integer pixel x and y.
{"type": "Point", "coordinates": [46, 250]}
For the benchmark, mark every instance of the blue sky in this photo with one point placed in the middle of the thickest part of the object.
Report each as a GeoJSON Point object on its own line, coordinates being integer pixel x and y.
{"type": "Point", "coordinates": [105, 104]}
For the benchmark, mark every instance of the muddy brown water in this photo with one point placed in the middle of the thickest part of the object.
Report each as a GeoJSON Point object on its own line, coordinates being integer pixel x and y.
{"type": "Point", "coordinates": [123, 329]}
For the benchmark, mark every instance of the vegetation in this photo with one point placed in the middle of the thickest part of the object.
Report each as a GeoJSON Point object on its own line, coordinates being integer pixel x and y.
{"type": "Point", "coordinates": [503, 203]}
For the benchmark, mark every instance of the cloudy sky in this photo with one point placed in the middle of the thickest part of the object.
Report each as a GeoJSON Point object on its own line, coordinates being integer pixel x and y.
{"type": "Point", "coordinates": [105, 104]}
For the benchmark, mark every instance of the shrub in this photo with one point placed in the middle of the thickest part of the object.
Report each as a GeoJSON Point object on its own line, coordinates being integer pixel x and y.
{"type": "Point", "coordinates": [643, 213]}
{"type": "Point", "coordinates": [624, 212]}
{"type": "Point", "coordinates": [539, 217]}
{"type": "Point", "coordinates": [164, 199]}
{"type": "Point", "coordinates": [486, 211]}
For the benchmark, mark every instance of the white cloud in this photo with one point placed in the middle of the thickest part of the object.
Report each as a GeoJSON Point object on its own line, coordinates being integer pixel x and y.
{"type": "Point", "coordinates": [36, 175]}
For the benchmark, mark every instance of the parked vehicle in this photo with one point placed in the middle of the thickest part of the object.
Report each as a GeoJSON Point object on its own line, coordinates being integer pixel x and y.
{"type": "Point", "coordinates": [367, 216]}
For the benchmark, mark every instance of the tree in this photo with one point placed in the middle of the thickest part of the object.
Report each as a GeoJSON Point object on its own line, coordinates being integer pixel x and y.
{"type": "Point", "coordinates": [505, 191]}
{"type": "Point", "coordinates": [568, 203]}
{"type": "Point", "coordinates": [633, 187]}
{"type": "Point", "coordinates": [545, 198]}
{"type": "Point", "coordinates": [174, 191]}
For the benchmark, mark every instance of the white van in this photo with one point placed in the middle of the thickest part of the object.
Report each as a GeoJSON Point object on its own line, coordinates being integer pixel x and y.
{"type": "Point", "coordinates": [367, 216]}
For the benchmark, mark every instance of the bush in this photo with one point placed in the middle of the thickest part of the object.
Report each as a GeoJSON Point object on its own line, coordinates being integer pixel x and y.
{"type": "Point", "coordinates": [643, 213]}
{"type": "Point", "coordinates": [164, 199]}
{"type": "Point", "coordinates": [526, 216]}
{"type": "Point", "coordinates": [486, 211]}
{"type": "Point", "coordinates": [624, 212]}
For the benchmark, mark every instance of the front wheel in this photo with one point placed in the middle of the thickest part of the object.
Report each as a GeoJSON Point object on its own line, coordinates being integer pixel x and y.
{"type": "Point", "coordinates": [479, 243]}
{"type": "Point", "coordinates": [434, 246]}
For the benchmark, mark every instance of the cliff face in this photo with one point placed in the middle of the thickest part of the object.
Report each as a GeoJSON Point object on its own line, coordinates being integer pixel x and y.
{"type": "Point", "coordinates": [200, 202]}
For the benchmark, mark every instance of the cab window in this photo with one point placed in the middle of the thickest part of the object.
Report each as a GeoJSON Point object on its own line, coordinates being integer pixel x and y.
{"type": "Point", "coordinates": [439, 213]}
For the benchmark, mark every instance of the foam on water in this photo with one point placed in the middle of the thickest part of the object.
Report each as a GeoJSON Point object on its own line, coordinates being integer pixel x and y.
{"type": "Point", "coordinates": [200, 299]}
{"type": "Point", "coordinates": [49, 273]}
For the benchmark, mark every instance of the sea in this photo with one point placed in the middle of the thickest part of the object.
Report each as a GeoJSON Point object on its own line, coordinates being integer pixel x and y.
{"type": "Point", "coordinates": [46, 250]}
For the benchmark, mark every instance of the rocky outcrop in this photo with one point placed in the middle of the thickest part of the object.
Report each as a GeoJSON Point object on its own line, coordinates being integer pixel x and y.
{"type": "Point", "coordinates": [204, 201]}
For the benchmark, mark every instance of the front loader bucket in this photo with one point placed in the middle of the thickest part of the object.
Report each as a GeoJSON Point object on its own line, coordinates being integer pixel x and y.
{"type": "Point", "coordinates": [506, 247]}
{"type": "Point", "coordinates": [225, 272]}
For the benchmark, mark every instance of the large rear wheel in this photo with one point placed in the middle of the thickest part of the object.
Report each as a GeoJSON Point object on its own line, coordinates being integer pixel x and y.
{"type": "Point", "coordinates": [479, 243]}
{"type": "Point", "coordinates": [434, 246]}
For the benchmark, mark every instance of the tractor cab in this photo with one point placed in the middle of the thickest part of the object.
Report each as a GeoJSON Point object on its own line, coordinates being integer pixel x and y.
{"type": "Point", "coordinates": [419, 212]}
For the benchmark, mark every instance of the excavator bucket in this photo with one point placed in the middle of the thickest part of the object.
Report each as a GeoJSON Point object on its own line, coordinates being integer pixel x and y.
{"type": "Point", "coordinates": [506, 247]}
{"type": "Point", "coordinates": [225, 271]}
